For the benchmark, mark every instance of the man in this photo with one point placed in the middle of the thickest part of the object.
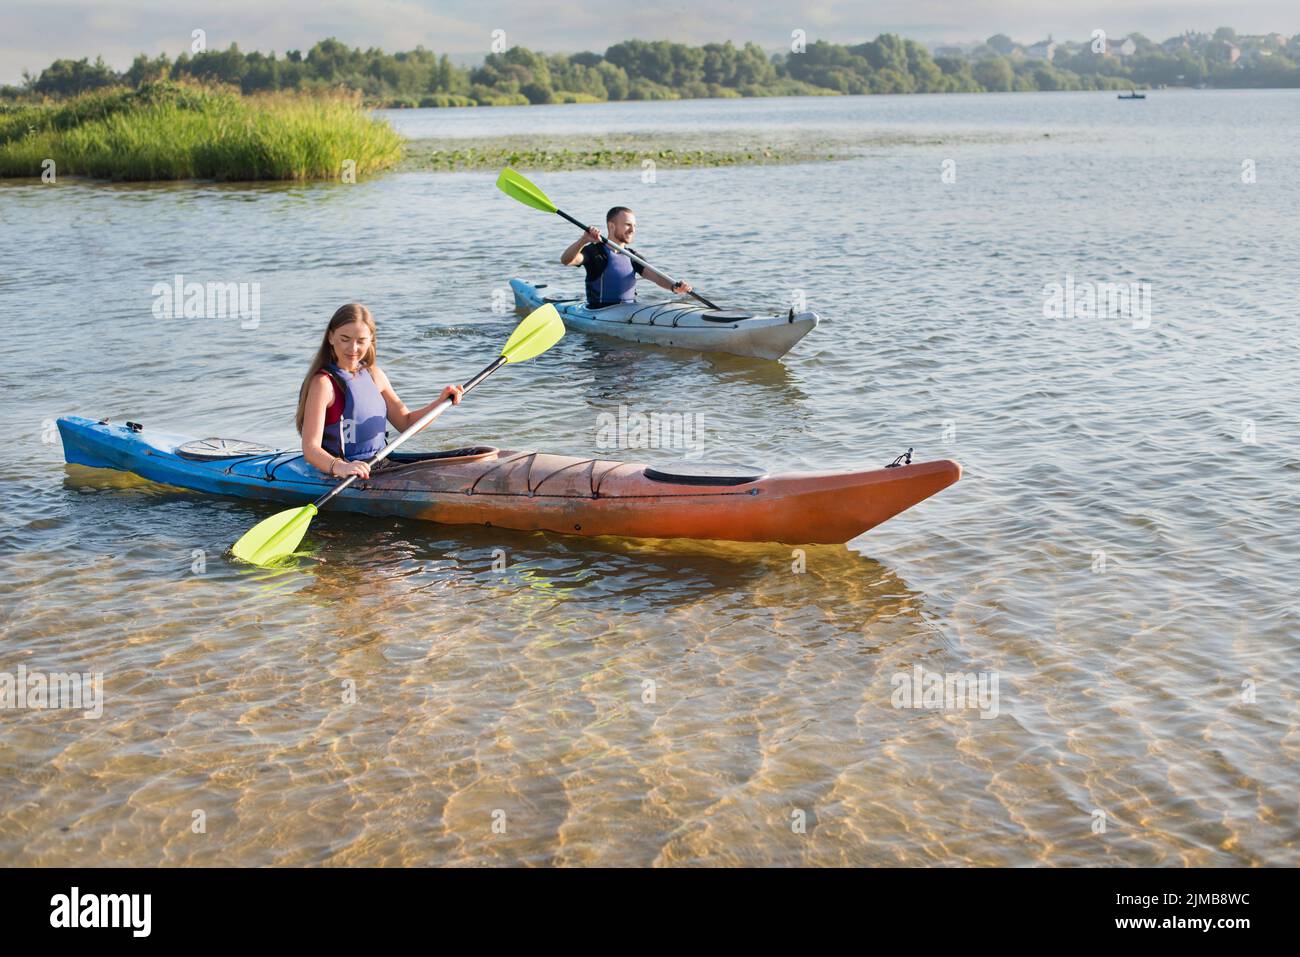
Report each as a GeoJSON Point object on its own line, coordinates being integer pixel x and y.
{"type": "Point", "coordinates": [611, 276]}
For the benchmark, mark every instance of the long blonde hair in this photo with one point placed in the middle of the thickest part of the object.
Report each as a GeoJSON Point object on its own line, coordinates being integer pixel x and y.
{"type": "Point", "coordinates": [352, 312]}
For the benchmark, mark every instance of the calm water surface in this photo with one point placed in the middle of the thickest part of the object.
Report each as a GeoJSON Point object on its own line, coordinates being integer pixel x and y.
{"type": "Point", "coordinates": [1120, 554]}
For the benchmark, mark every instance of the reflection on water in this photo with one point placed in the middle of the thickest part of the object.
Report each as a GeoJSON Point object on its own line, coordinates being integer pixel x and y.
{"type": "Point", "coordinates": [1118, 553]}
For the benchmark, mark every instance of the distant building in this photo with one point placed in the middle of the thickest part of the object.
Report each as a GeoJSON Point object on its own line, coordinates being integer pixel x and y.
{"type": "Point", "coordinates": [1125, 47]}
{"type": "Point", "coordinates": [1174, 44]}
{"type": "Point", "coordinates": [1042, 50]}
{"type": "Point", "coordinates": [1222, 51]}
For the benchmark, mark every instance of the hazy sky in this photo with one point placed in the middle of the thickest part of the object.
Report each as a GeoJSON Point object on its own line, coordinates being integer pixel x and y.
{"type": "Point", "coordinates": [34, 34]}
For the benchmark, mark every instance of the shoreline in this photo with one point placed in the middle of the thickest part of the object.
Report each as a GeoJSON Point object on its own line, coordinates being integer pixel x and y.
{"type": "Point", "coordinates": [678, 151]}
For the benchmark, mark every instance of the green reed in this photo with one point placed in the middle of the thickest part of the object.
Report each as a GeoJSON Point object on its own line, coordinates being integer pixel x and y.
{"type": "Point", "coordinates": [169, 131]}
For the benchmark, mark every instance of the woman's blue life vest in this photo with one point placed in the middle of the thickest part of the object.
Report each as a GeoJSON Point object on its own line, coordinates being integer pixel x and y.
{"type": "Point", "coordinates": [615, 283]}
{"type": "Point", "coordinates": [361, 430]}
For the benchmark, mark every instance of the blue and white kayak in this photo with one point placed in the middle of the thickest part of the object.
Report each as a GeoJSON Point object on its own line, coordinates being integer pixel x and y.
{"type": "Point", "coordinates": [681, 325]}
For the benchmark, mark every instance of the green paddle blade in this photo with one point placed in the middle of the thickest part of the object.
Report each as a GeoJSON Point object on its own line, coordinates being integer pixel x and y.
{"type": "Point", "coordinates": [517, 187]}
{"type": "Point", "coordinates": [542, 329]}
{"type": "Point", "coordinates": [274, 537]}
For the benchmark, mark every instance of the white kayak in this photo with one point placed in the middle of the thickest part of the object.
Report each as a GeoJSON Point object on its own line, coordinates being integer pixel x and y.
{"type": "Point", "coordinates": [683, 325]}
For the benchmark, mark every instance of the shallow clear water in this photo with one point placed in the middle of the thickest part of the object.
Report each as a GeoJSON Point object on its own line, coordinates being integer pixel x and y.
{"type": "Point", "coordinates": [1120, 552]}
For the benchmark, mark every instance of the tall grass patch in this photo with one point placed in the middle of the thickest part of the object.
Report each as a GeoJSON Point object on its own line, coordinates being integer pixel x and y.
{"type": "Point", "coordinates": [168, 131]}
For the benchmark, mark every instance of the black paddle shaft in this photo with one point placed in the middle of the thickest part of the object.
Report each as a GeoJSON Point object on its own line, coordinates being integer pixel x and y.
{"type": "Point", "coordinates": [613, 245]}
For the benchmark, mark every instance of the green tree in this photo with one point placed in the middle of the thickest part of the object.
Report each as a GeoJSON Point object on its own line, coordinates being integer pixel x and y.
{"type": "Point", "coordinates": [638, 69]}
{"type": "Point", "coordinates": [957, 75]}
{"type": "Point", "coordinates": [719, 64]}
{"type": "Point", "coordinates": [333, 61]}
{"type": "Point", "coordinates": [994, 74]}
{"type": "Point", "coordinates": [442, 79]}
{"type": "Point", "coordinates": [1045, 78]}
{"type": "Point", "coordinates": [753, 66]}
{"type": "Point", "coordinates": [70, 77]}
{"type": "Point", "coordinates": [261, 73]}
{"type": "Point", "coordinates": [925, 73]}
{"type": "Point", "coordinates": [831, 67]}
{"type": "Point", "coordinates": [220, 66]}
{"type": "Point", "coordinates": [1001, 43]}
{"type": "Point", "coordinates": [891, 81]}
{"type": "Point", "coordinates": [885, 52]}
{"type": "Point", "coordinates": [145, 70]}
{"type": "Point", "coordinates": [615, 80]}
{"type": "Point", "coordinates": [537, 92]}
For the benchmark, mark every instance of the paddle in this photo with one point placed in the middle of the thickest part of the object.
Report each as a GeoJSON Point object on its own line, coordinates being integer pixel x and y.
{"type": "Point", "coordinates": [277, 536]}
{"type": "Point", "coordinates": [517, 187]}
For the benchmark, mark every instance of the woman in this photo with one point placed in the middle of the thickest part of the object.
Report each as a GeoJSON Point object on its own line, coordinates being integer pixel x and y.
{"type": "Point", "coordinates": [346, 400]}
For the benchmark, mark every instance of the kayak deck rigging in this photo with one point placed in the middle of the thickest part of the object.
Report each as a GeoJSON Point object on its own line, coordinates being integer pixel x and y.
{"type": "Point", "coordinates": [681, 325]}
{"type": "Point", "coordinates": [539, 491]}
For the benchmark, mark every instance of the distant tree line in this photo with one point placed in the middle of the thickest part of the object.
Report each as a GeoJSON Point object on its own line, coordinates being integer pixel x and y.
{"type": "Point", "coordinates": [648, 70]}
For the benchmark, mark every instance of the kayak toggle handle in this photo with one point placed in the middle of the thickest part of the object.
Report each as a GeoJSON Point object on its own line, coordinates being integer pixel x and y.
{"type": "Point", "coordinates": [904, 459]}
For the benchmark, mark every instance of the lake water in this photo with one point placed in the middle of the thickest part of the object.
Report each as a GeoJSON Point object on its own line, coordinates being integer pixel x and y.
{"type": "Point", "coordinates": [1120, 555]}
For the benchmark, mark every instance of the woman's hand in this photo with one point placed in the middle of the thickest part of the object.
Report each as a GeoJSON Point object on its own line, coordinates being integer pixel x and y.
{"type": "Point", "coordinates": [342, 468]}
{"type": "Point", "coordinates": [682, 287]}
{"type": "Point", "coordinates": [453, 392]}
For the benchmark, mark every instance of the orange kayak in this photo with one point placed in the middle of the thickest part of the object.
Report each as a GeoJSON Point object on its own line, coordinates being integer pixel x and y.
{"type": "Point", "coordinates": [533, 490]}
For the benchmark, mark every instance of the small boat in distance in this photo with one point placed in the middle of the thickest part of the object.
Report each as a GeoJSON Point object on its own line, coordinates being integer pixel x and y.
{"type": "Point", "coordinates": [1132, 95]}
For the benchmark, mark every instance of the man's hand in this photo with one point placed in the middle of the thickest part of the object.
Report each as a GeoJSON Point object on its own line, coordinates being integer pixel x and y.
{"type": "Point", "coordinates": [573, 255]}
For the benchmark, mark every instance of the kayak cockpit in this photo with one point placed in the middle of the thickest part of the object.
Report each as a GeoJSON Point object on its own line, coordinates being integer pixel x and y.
{"type": "Point", "coordinates": [476, 453]}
